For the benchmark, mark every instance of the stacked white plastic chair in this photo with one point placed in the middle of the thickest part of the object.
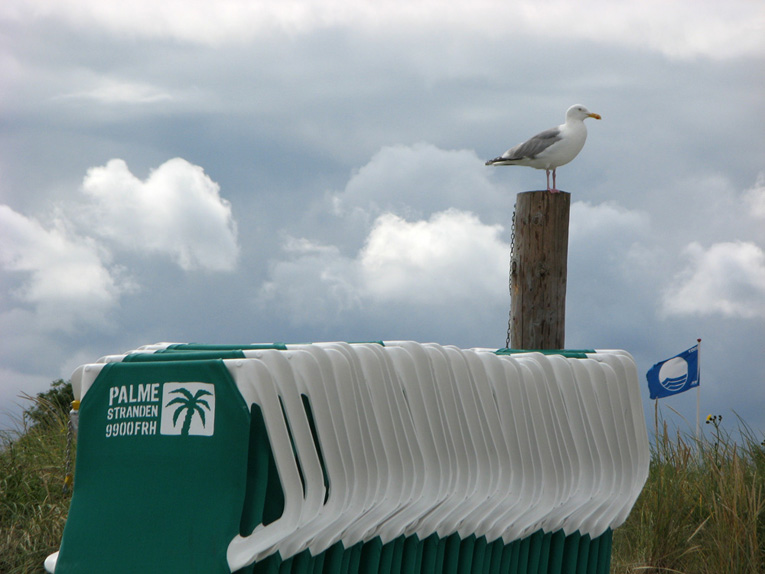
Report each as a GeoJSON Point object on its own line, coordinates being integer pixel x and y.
{"type": "Point", "coordinates": [408, 457]}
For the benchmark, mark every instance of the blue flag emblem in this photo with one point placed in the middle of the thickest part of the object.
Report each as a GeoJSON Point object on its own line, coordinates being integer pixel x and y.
{"type": "Point", "coordinates": [675, 375]}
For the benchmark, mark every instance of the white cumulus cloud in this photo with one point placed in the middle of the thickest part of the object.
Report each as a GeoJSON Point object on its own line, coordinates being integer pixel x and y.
{"type": "Point", "coordinates": [452, 256]}
{"type": "Point", "coordinates": [313, 284]}
{"type": "Point", "coordinates": [450, 259]}
{"type": "Point", "coordinates": [64, 276]}
{"type": "Point", "coordinates": [754, 197]}
{"type": "Point", "coordinates": [177, 211]}
{"type": "Point", "coordinates": [419, 179]}
{"type": "Point", "coordinates": [728, 278]}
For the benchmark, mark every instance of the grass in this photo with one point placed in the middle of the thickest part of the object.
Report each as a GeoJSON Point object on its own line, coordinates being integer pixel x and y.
{"type": "Point", "coordinates": [702, 510]}
{"type": "Point", "coordinates": [33, 505]}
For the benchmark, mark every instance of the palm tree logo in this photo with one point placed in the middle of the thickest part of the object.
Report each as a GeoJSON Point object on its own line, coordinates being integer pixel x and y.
{"type": "Point", "coordinates": [187, 402]}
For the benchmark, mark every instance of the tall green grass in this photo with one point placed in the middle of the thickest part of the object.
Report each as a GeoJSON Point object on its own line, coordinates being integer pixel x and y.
{"type": "Point", "coordinates": [33, 504]}
{"type": "Point", "coordinates": [702, 510]}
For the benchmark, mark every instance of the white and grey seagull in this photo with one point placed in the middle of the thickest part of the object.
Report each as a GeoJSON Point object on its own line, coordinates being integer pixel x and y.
{"type": "Point", "coordinates": [550, 149]}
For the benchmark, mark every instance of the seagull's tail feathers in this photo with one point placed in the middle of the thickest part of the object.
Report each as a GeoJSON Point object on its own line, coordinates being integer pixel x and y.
{"type": "Point", "coordinates": [501, 161]}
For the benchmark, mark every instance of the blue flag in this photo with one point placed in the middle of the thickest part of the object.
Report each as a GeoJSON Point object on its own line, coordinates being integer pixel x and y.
{"type": "Point", "coordinates": [675, 375]}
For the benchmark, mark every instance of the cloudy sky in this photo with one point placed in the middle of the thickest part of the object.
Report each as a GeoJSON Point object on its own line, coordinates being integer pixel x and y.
{"type": "Point", "coordinates": [313, 170]}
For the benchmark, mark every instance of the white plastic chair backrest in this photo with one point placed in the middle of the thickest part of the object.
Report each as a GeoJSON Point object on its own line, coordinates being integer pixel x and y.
{"type": "Point", "coordinates": [584, 485]}
{"type": "Point", "coordinates": [592, 381]}
{"type": "Point", "coordinates": [257, 385]}
{"type": "Point", "coordinates": [342, 381]}
{"type": "Point", "coordinates": [116, 358]}
{"type": "Point", "coordinates": [632, 384]}
{"type": "Point", "coordinates": [478, 435]}
{"type": "Point", "coordinates": [291, 391]}
{"type": "Point", "coordinates": [576, 457]}
{"type": "Point", "coordinates": [372, 446]}
{"type": "Point", "coordinates": [445, 519]}
{"type": "Point", "coordinates": [624, 364]}
{"type": "Point", "coordinates": [319, 379]}
{"type": "Point", "coordinates": [397, 431]}
{"type": "Point", "coordinates": [520, 519]}
{"type": "Point", "coordinates": [426, 467]}
{"type": "Point", "coordinates": [567, 460]}
{"type": "Point", "coordinates": [543, 445]}
{"type": "Point", "coordinates": [507, 391]}
{"type": "Point", "coordinates": [499, 467]}
{"type": "Point", "coordinates": [83, 378]}
{"type": "Point", "coordinates": [476, 439]}
{"type": "Point", "coordinates": [407, 432]}
{"type": "Point", "coordinates": [442, 437]}
{"type": "Point", "coordinates": [610, 407]}
{"type": "Point", "coordinates": [365, 487]}
{"type": "Point", "coordinates": [289, 368]}
{"type": "Point", "coordinates": [376, 507]}
{"type": "Point", "coordinates": [154, 347]}
{"type": "Point", "coordinates": [637, 434]}
{"type": "Point", "coordinates": [416, 380]}
{"type": "Point", "coordinates": [620, 404]}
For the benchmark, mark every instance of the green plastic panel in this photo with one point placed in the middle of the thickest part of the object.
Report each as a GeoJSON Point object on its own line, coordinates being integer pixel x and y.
{"type": "Point", "coordinates": [161, 470]}
{"type": "Point", "coordinates": [568, 353]}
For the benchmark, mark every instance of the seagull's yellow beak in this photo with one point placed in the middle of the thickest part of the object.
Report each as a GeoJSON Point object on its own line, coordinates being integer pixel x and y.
{"type": "Point", "coordinates": [596, 116]}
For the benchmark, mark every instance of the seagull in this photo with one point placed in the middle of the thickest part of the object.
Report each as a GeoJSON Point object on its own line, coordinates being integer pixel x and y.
{"type": "Point", "coordinates": [551, 148]}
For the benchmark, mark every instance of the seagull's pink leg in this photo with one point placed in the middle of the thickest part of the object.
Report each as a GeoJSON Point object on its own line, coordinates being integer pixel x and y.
{"type": "Point", "coordinates": [547, 172]}
{"type": "Point", "coordinates": [554, 189]}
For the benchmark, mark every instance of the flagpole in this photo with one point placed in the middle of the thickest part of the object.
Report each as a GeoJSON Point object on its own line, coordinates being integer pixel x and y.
{"type": "Point", "coordinates": [656, 419]}
{"type": "Point", "coordinates": [698, 392]}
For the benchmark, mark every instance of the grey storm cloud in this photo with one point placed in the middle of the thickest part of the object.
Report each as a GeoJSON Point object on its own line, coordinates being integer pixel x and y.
{"type": "Point", "coordinates": [314, 171]}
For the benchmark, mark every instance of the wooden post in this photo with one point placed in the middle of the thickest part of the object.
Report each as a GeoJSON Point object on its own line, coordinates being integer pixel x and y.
{"type": "Point", "coordinates": [538, 270]}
